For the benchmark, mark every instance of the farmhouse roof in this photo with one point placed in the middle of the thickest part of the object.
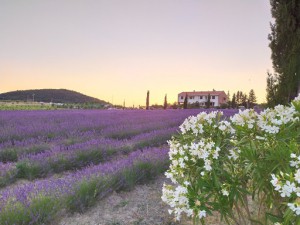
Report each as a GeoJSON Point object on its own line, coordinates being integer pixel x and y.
{"type": "Point", "coordinates": [194, 93]}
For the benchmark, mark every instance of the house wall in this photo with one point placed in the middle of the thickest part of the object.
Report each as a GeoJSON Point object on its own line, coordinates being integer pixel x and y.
{"type": "Point", "coordinates": [197, 98]}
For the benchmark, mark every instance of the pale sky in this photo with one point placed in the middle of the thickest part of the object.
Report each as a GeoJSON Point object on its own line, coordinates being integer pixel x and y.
{"type": "Point", "coordinates": [119, 49]}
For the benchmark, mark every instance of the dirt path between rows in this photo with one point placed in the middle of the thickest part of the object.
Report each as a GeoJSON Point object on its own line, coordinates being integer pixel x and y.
{"type": "Point", "coordinates": [141, 206]}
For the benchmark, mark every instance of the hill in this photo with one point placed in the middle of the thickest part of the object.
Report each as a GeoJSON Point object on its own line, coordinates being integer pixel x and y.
{"type": "Point", "coordinates": [49, 95]}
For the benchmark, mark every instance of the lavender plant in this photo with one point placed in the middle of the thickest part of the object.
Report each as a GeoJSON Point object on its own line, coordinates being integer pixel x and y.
{"type": "Point", "coordinates": [39, 201]}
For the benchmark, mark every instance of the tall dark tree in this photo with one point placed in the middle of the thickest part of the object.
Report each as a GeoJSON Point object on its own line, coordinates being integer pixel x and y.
{"type": "Point", "coordinates": [147, 100]}
{"type": "Point", "coordinates": [245, 100]}
{"type": "Point", "coordinates": [271, 90]}
{"type": "Point", "coordinates": [239, 98]}
{"type": "Point", "coordinates": [233, 101]}
{"type": "Point", "coordinates": [208, 101]}
{"type": "Point", "coordinates": [228, 99]}
{"type": "Point", "coordinates": [252, 98]}
{"type": "Point", "coordinates": [285, 45]}
{"type": "Point", "coordinates": [185, 103]}
{"type": "Point", "coordinates": [165, 102]}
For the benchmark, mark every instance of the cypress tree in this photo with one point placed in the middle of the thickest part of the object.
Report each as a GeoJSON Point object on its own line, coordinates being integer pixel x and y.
{"type": "Point", "coordinates": [233, 101]}
{"type": "Point", "coordinates": [147, 100]}
{"type": "Point", "coordinates": [238, 97]}
{"type": "Point", "coordinates": [271, 90]}
{"type": "Point", "coordinates": [252, 98]}
{"type": "Point", "coordinates": [285, 46]}
{"type": "Point", "coordinates": [245, 100]}
{"type": "Point", "coordinates": [185, 103]}
{"type": "Point", "coordinates": [228, 99]}
{"type": "Point", "coordinates": [208, 101]}
{"type": "Point", "coordinates": [165, 102]}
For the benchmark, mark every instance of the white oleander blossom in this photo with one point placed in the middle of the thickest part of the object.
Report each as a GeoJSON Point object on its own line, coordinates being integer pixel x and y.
{"type": "Point", "coordinates": [177, 199]}
{"type": "Point", "coordinates": [288, 184]}
{"type": "Point", "coordinates": [297, 176]}
{"type": "Point", "coordinates": [196, 124]}
{"type": "Point", "coordinates": [234, 154]}
{"type": "Point", "coordinates": [225, 192]}
{"type": "Point", "coordinates": [202, 213]}
{"type": "Point", "coordinates": [245, 118]}
{"type": "Point", "coordinates": [226, 127]}
{"type": "Point", "coordinates": [270, 120]}
{"type": "Point", "coordinates": [275, 182]}
{"type": "Point", "coordinates": [194, 149]}
{"type": "Point", "coordinates": [295, 208]}
{"type": "Point", "coordinates": [296, 161]}
{"type": "Point", "coordinates": [287, 189]}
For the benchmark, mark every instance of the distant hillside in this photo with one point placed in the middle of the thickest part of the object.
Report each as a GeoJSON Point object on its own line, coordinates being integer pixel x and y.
{"type": "Point", "coordinates": [50, 95]}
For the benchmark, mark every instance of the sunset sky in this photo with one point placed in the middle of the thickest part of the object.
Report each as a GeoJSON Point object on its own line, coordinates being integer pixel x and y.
{"type": "Point", "coordinates": [116, 50]}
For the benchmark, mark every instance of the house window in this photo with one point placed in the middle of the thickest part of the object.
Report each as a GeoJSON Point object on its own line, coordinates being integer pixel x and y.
{"type": "Point", "coordinates": [213, 97]}
{"type": "Point", "coordinates": [181, 97]}
{"type": "Point", "coordinates": [201, 97]}
{"type": "Point", "coordinates": [224, 99]}
{"type": "Point", "coordinates": [191, 97]}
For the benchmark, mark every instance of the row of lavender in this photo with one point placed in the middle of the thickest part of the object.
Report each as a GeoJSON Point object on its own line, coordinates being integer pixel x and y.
{"type": "Point", "coordinates": [38, 202]}
{"type": "Point", "coordinates": [37, 144]}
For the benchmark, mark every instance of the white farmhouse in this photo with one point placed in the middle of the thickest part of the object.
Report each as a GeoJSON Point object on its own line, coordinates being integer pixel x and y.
{"type": "Point", "coordinates": [217, 98]}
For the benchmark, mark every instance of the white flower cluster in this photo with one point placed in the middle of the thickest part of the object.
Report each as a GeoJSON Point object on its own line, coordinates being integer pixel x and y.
{"type": "Point", "coordinates": [246, 117]}
{"type": "Point", "coordinates": [197, 150]}
{"type": "Point", "coordinates": [181, 155]}
{"type": "Point", "coordinates": [226, 127]}
{"type": "Point", "coordinates": [288, 185]}
{"type": "Point", "coordinates": [295, 208]}
{"type": "Point", "coordinates": [196, 123]}
{"type": "Point", "coordinates": [184, 155]}
{"type": "Point", "coordinates": [176, 198]}
{"type": "Point", "coordinates": [270, 120]}
{"type": "Point", "coordinates": [234, 154]}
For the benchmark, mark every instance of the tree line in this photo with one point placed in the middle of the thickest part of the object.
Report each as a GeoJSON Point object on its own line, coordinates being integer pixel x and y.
{"type": "Point", "coordinates": [242, 99]}
{"type": "Point", "coordinates": [238, 99]}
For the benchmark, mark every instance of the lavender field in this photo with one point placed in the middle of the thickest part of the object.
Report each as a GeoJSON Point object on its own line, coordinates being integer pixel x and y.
{"type": "Point", "coordinates": [57, 161]}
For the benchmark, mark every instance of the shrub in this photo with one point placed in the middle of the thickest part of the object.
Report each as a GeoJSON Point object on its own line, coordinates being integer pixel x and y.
{"type": "Point", "coordinates": [216, 165]}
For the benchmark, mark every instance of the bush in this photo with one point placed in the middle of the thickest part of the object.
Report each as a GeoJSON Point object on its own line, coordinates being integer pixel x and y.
{"type": "Point", "coordinates": [216, 165]}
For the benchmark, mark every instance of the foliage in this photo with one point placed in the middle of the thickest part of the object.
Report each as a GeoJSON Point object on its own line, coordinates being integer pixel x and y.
{"type": "Point", "coordinates": [233, 101]}
{"type": "Point", "coordinates": [271, 90]}
{"type": "Point", "coordinates": [285, 45]}
{"type": "Point", "coordinates": [208, 101]}
{"type": "Point", "coordinates": [185, 103]}
{"type": "Point", "coordinates": [147, 100]}
{"type": "Point", "coordinates": [217, 164]}
{"type": "Point", "coordinates": [165, 102]}
{"type": "Point", "coordinates": [252, 99]}
{"type": "Point", "coordinates": [241, 99]}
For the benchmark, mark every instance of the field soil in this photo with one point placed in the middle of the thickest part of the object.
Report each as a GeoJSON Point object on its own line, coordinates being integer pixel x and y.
{"type": "Point", "coordinates": [141, 206]}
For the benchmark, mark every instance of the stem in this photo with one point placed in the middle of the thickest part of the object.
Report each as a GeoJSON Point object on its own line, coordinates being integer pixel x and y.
{"type": "Point", "coordinates": [247, 208]}
{"type": "Point", "coordinates": [237, 222]}
{"type": "Point", "coordinates": [260, 206]}
{"type": "Point", "coordinates": [240, 214]}
{"type": "Point", "coordinates": [195, 221]}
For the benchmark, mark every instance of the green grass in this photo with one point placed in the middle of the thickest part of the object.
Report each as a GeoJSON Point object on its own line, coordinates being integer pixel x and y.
{"type": "Point", "coordinates": [40, 211]}
{"type": "Point", "coordinates": [88, 192]}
